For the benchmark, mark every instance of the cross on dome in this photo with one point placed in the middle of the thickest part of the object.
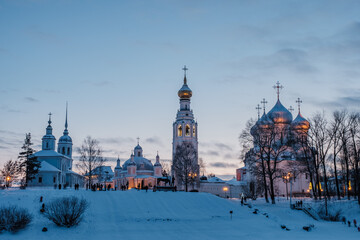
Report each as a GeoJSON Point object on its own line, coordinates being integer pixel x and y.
{"type": "Point", "coordinates": [298, 101]}
{"type": "Point", "coordinates": [291, 109]}
{"type": "Point", "coordinates": [49, 118]}
{"type": "Point", "coordinates": [138, 140]}
{"type": "Point", "coordinates": [66, 122]}
{"type": "Point", "coordinates": [185, 69]}
{"type": "Point", "coordinates": [277, 87]}
{"type": "Point", "coordinates": [264, 102]}
{"type": "Point", "coordinates": [258, 108]}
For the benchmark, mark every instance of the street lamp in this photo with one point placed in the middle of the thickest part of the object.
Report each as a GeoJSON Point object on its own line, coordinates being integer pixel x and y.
{"type": "Point", "coordinates": [106, 172]}
{"type": "Point", "coordinates": [8, 181]}
{"type": "Point", "coordinates": [225, 189]}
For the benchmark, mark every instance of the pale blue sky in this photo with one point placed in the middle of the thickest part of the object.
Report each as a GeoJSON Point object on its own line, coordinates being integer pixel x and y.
{"type": "Point", "coordinates": [118, 64]}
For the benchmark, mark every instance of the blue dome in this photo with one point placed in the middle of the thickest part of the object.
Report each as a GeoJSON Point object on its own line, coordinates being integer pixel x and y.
{"type": "Point", "coordinates": [138, 147]}
{"type": "Point", "coordinates": [279, 114]}
{"type": "Point", "coordinates": [141, 164]}
{"type": "Point", "coordinates": [65, 138]}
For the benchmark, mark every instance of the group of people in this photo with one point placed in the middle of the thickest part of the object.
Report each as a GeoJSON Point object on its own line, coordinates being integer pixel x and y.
{"type": "Point", "coordinates": [349, 223]}
{"type": "Point", "coordinates": [299, 204]}
{"type": "Point", "coordinates": [123, 187]}
{"type": "Point", "coordinates": [99, 187]}
{"type": "Point", "coordinates": [59, 186]}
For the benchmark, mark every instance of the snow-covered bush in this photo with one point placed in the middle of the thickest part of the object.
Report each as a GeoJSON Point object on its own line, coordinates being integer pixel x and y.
{"type": "Point", "coordinates": [66, 211]}
{"type": "Point", "coordinates": [13, 218]}
{"type": "Point", "coordinates": [334, 213]}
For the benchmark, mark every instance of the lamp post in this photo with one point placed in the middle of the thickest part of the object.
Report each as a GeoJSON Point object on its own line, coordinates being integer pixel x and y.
{"type": "Point", "coordinates": [8, 181]}
{"type": "Point", "coordinates": [106, 176]}
{"type": "Point", "coordinates": [192, 176]}
{"type": "Point", "coordinates": [225, 189]}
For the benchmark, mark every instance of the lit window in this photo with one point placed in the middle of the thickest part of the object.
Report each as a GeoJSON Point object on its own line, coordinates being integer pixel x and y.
{"type": "Point", "coordinates": [194, 131]}
{"type": "Point", "coordinates": [187, 130]}
{"type": "Point", "coordinates": [179, 130]}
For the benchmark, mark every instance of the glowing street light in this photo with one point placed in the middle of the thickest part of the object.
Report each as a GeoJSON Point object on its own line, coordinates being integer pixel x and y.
{"type": "Point", "coordinates": [225, 189]}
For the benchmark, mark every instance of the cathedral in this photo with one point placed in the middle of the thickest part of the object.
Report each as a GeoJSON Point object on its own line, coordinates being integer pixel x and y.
{"type": "Point", "coordinates": [277, 139]}
{"type": "Point", "coordinates": [56, 166]}
{"type": "Point", "coordinates": [137, 171]}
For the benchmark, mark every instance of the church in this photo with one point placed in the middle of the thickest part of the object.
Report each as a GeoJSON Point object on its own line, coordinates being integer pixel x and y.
{"type": "Point", "coordinates": [56, 166]}
{"type": "Point", "coordinates": [277, 135]}
{"type": "Point", "coordinates": [137, 171]}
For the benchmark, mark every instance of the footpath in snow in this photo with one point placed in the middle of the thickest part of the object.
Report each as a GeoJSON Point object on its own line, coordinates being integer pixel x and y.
{"type": "Point", "coordinates": [168, 215]}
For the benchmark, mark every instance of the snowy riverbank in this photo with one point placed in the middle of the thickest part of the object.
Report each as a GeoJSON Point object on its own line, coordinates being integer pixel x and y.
{"type": "Point", "coordinates": [160, 215]}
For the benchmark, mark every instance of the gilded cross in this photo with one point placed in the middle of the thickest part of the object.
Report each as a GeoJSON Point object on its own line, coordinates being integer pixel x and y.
{"type": "Point", "coordinates": [298, 101]}
{"type": "Point", "coordinates": [258, 108]}
{"type": "Point", "coordinates": [264, 103]}
{"type": "Point", "coordinates": [277, 88]}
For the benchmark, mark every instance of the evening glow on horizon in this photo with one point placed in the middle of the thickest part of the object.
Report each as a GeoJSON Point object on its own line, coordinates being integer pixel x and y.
{"type": "Point", "coordinates": [119, 64]}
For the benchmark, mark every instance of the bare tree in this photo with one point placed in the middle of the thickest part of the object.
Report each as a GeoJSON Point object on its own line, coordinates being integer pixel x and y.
{"type": "Point", "coordinates": [9, 171]}
{"type": "Point", "coordinates": [90, 158]}
{"type": "Point", "coordinates": [335, 129]}
{"type": "Point", "coordinates": [250, 158]}
{"type": "Point", "coordinates": [273, 144]}
{"type": "Point", "coordinates": [354, 131]}
{"type": "Point", "coordinates": [165, 168]}
{"type": "Point", "coordinates": [202, 166]}
{"type": "Point", "coordinates": [185, 168]}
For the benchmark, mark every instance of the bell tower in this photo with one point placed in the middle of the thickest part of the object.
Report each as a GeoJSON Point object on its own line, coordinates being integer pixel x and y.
{"type": "Point", "coordinates": [185, 127]}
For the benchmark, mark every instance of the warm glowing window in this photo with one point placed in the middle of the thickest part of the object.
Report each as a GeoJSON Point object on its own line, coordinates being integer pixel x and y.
{"type": "Point", "coordinates": [187, 130]}
{"type": "Point", "coordinates": [194, 131]}
{"type": "Point", "coordinates": [179, 130]}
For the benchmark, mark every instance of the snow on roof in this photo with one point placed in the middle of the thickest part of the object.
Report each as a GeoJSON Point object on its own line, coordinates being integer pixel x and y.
{"type": "Point", "coordinates": [48, 153]}
{"type": "Point", "coordinates": [47, 167]}
{"type": "Point", "coordinates": [234, 182]}
{"type": "Point", "coordinates": [72, 172]}
{"type": "Point", "coordinates": [216, 179]}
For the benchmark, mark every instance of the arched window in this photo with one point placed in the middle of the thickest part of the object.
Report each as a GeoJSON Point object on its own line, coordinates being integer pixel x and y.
{"type": "Point", "coordinates": [187, 130]}
{"type": "Point", "coordinates": [47, 145]}
{"type": "Point", "coordinates": [63, 150]}
{"type": "Point", "coordinates": [68, 151]}
{"type": "Point", "coordinates": [179, 131]}
{"type": "Point", "coordinates": [194, 132]}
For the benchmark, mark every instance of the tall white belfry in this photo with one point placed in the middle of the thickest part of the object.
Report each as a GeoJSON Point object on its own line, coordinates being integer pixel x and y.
{"type": "Point", "coordinates": [65, 141]}
{"type": "Point", "coordinates": [185, 127]}
{"type": "Point", "coordinates": [48, 140]}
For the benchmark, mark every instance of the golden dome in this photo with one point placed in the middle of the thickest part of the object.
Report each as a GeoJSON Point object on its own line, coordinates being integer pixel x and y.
{"type": "Point", "coordinates": [185, 92]}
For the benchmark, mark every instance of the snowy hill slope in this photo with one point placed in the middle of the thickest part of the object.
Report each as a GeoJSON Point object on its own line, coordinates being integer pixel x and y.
{"type": "Point", "coordinates": [160, 215]}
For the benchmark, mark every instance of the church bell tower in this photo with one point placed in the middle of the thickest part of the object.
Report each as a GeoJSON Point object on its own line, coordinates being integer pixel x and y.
{"type": "Point", "coordinates": [185, 127]}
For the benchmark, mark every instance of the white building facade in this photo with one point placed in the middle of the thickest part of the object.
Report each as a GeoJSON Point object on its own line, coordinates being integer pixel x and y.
{"type": "Point", "coordinates": [56, 167]}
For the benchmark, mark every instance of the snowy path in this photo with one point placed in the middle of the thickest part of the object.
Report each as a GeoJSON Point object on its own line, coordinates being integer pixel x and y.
{"type": "Point", "coordinates": [141, 215]}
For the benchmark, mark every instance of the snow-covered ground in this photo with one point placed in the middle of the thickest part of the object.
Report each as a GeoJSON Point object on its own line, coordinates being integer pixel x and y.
{"type": "Point", "coordinates": [167, 215]}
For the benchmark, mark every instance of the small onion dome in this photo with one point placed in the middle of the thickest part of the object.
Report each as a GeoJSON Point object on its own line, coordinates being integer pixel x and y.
{"type": "Point", "coordinates": [265, 122]}
{"type": "Point", "coordinates": [185, 92]}
{"type": "Point", "coordinates": [118, 164]}
{"type": "Point", "coordinates": [254, 128]}
{"type": "Point", "coordinates": [279, 114]}
{"type": "Point", "coordinates": [138, 147]}
{"type": "Point", "coordinates": [203, 178]}
{"type": "Point", "coordinates": [65, 138]}
{"type": "Point", "coordinates": [300, 123]}
{"type": "Point", "coordinates": [157, 164]}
